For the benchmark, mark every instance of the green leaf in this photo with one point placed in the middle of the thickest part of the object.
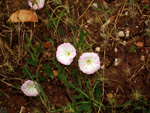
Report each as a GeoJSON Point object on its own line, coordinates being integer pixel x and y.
{"type": "Point", "coordinates": [40, 50]}
{"type": "Point", "coordinates": [1, 94]}
{"type": "Point", "coordinates": [30, 43]}
{"type": "Point", "coordinates": [48, 70]}
{"type": "Point", "coordinates": [74, 42]}
{"type": "Point", "coordinates": [132, 49]}
{"type": "Point", "coordinates": [98, 92]}
{"type": "Point", "coordinates": [59, 18]}
{"type": "Point", "coordinates": [24, 71]}
{"type": "Point", "coordinates": [84, 107]}
{"type": "Point", "coordinates": [72, 27]}
{"type": "Point", "coordinates": [127, 104]}
{"type": "Point", "coordinates": [31, 62]}
{"type": "Point", "coordinates": [79, 80]}
{"type": "Point", "coordinates": [61, 31]}
{"type": "Point", "coordinates": [43, 78]}
{"type": "Point", "coordinates": [138, 108]}
{"type": "Point", "coordinates": [73, 72]}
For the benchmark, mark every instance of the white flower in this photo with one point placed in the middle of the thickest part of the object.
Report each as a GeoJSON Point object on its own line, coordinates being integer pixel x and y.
{"type": "Point", "coordinates": [36, 4]}
{"type": "Point", "coordinates": [65, 53]}
{"type": "Point", "coordinates": [30, 88]}
{"type": "Point", "coordinates": [89, 62]}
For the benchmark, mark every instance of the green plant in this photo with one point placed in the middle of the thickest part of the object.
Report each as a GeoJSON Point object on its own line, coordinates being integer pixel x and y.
{"type": "Point", "coordinates": [36, 51]}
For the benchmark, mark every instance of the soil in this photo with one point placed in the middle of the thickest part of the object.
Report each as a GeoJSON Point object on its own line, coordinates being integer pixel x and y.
{"type": "Point", "coordinates": [125, 61]}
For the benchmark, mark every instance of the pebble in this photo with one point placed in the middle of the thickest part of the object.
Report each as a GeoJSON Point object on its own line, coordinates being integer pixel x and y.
{"type": "Point", "coordinates": [86, 26]}
{"type": "Point", "coordinates": [97, 49]}
{"type": "Point", "coordinates": [142, 58]}
{"type": "Point", "coordinates": [127, 33]}
{"type": "Point", "coordinates": [126, 13]}
{"type": "Point", "coordinates": [137, 27]}
{"type": "Point", "coordinates": [124, 43]}
{"type": "Point", "coordinates": [95, 5]}
{"type": "Point", "coordinates": [102, 67]}
{"type": "Point", "coordinates": [116, 50]}
{"type": "Point", "coordinates": [89, 21]}
{"type": "Point", "coordinates": [121, 34]}
{"type": "Point", "coordinates": [116, 62]}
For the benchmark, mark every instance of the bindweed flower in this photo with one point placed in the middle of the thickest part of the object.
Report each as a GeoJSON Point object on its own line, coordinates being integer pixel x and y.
{"type": "Point", "coordinates": [89, 62]}
{"type": "Point", "coordinates": [30, 88]}
{"type": "Point", "coordinates": [36, 4]}
{"type": "Point", "coordinates": [65, 53]}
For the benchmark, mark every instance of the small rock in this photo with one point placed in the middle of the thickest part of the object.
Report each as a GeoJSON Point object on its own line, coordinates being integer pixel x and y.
{"type": "Point", "coordinates": [102, 67]}
{"type": "Point", "coordinates": [137, 27]}
{"type": "Point", "coordinates": [142, 58]}
{"type": "Point", "coordinates": [121, 34]}
{"type": "Point", "coordinates": [127, 33]}
{"type": "Point", "coordinates": [86, 26]}
{"type": "Point", "coordinates": [95, 5]}
{"type": "Point", "coordinates": [126, 13]}
{"type": "Point", "coordinates": [97, 49]}
{"type": "Point", "coordinates": [89, 21]}
{"type": "Point", "coordinates": [116, 62]}
{"type": "Point", "coordinates": [124, 43]}
{"type": "Point", "coordinates": [116, 50]}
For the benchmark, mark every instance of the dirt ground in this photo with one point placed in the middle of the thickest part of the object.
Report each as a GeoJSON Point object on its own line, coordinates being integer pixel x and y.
{"type": "Point", "coordinates": [125, 58]}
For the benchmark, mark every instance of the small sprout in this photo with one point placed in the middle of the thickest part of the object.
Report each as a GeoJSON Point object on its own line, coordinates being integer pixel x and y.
{"type": "Point", "coordinates": [103, 79]}
{"type": "Point", "coordinates": [137, 96]}
{"type": "Point", "coordinates": [36, 4]}
{"type": "Point", "coordinates": [65, 53]}
{"type": "Point", "coordinates": [89, 63]}
{"type": "Point", "coordinates": [30, 88]}
{"type": "Point", "coordinates": [111, 99]}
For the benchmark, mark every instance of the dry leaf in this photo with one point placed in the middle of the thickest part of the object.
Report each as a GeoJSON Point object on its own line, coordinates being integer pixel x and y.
{"type": "Point", "coordinates": [47, 45]}
{"type": "Point", "coordinates": [139, 44]}
{"type": "Point", "coordinates": [23, 16]}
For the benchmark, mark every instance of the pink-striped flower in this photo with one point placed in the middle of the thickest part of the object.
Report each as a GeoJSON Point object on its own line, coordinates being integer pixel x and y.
{"type": "Point", "coordinates": [89, 63]}
{"type": "Point", "coordinates": [65, 53]}
{"type": "Point", "coordinates": [36, 4]}
{"type": "Point", "coordinates": [30, 88]}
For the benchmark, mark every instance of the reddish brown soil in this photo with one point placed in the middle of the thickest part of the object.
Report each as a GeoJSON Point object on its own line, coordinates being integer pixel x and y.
{"type": "Point", "coordinates": [132, 72]}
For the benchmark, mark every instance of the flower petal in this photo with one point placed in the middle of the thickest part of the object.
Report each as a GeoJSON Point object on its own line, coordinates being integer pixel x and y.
{"type": "Point", "coordinates": [89, 67]}
{"type": "Point", "coordinates": [29, 88]}
{"type": "Point", "coordinates": [65, 53]}
{"type": "Point", "coordinates": [39, 5]}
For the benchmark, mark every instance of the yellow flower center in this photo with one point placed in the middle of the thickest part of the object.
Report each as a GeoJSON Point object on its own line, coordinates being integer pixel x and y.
{"type": "Point", "coordinates": [68, 53]}
{"type": "Point", "coordinates": [31, 86]}
{"type": "Point", "coordinates": [88, 61]}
